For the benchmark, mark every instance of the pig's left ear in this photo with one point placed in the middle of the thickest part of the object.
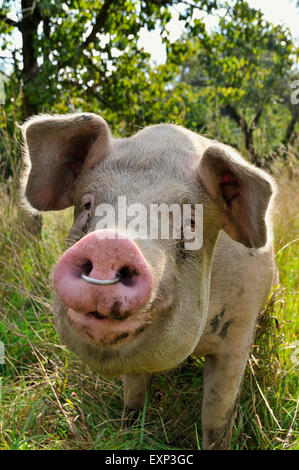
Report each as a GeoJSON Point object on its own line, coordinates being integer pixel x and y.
{"type": "Point", "coordinates": [241, 190]}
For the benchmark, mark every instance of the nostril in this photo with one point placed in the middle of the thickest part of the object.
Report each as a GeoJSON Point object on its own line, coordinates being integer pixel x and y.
{"type": "Point", "coordinates": [87, 268]}
{"type": "Point", "coordinates": [81, 267]}
{"type": "Point", "coordinates": [128, 276]}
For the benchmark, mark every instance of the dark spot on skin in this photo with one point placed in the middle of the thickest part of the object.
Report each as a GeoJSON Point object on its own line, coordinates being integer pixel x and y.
{"type": "Point", "coordinates": [222, 312]}
{"type": "Point", "coordinates": [251, 251]}
{"type": "Point", "coordinates": [119, 337]}
{"type": "Point", "coordinates": [89, 334]}
{"type": "Point", "coordinates": [215, 322]}
{"type": "Point", "coordinates": [224, 329]}
{"type": "Point", "coordinates": [115, 311]}
{"type": "Point", "coordinates": [116, 314]}
{"type": "Point", "coordinates": [84, 117]}
{"type": "Point", "coordinates": [241, 291]}
{"type": "Point", "coordinates": [211, 402]}
{"type": "Point", "coordinates": [139, 330]}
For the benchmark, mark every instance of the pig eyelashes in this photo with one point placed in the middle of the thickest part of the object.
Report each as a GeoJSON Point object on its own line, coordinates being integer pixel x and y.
{"type": "Point", "coordinates": [190, 222]}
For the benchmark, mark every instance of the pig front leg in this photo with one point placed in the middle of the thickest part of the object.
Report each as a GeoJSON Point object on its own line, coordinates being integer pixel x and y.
{"type": "Point", "coordinates": [135, 388]}
{"type": "Point", "coordinates": [222, 377]}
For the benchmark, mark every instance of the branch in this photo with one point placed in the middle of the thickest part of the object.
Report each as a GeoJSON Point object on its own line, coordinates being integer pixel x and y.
{"type": "Point", "coordinates": [200, 83]}
{"type": "Point", "coordinates": [230, 110]}
{"type": "Point", "coordinates": [100, 21]}
{"type": "Point", "coordinates": [256, 119]}
{"type": "Point", "coordinates": [9, 21]}
{"type": "Point", "coordinates": [88, 89]}
{"type": "Point", "coordinates": [193, 5]}
{"type": "Point", "coordinates": [290, 129]}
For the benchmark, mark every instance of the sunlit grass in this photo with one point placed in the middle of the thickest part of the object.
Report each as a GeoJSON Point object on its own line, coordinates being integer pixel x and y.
{"type": "Point", "coordinates": [50, 400]}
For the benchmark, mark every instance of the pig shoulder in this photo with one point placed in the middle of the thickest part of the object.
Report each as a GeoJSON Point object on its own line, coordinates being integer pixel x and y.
{"type": "Point", "coordinates": [241, 280]}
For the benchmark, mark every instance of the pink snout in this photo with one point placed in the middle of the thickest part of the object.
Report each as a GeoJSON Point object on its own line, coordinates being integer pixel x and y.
{"type": "Point", "coordinates": [103, 255]}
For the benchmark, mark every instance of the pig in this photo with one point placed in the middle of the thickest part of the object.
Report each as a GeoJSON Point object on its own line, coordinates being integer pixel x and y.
{"type": "Point", "coordinates": [164, 302]}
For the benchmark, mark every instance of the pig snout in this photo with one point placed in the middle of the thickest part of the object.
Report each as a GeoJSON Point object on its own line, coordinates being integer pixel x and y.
{"type": "Point", "coordinates": [98, 311]}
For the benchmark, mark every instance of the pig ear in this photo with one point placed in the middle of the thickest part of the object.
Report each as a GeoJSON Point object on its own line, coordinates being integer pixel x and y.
{"type": "Point", "coordinates": [241, 190]}
{"type": "Point", "coordinates": [57, 149]}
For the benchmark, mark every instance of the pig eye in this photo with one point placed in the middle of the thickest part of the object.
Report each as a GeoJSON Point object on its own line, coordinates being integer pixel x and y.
{"type": "Point", "coordinates": [190, 223]}
{"type": "Point", "coordinates": [87, 201]}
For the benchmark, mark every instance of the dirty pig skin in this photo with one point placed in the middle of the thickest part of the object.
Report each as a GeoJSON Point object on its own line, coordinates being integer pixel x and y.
{"type": "Point", "coordinates": [166, 302]}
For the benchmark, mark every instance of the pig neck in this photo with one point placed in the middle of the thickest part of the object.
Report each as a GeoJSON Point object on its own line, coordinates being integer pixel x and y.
{"type": "Point", "coordinates": [183, 324]}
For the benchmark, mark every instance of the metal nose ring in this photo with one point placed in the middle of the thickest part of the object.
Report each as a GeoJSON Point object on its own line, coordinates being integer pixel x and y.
{"type": "Point", "coordinates": [100, 282]}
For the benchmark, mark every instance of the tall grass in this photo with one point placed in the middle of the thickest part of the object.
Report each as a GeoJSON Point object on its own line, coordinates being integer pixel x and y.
{"type": "Point", "coordinates": [50, 400]}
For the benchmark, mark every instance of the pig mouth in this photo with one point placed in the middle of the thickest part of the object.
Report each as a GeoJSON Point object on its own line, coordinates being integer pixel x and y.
{"type": "Point", "coordinates": [98, 329]}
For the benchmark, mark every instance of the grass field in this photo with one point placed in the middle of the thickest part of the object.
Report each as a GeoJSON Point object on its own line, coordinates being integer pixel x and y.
{"type": "Point", "coordinates": [50, 400]}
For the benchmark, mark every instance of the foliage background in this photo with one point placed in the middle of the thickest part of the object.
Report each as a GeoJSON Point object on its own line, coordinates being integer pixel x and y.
{"type": "Point", "coordinates": [232, 83]}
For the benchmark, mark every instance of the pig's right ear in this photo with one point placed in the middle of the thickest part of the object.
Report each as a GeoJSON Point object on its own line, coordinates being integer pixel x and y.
{"type": "Point", "coordinates": [56, 150]}
{"type": "Point", "coordinates": [240, 190]}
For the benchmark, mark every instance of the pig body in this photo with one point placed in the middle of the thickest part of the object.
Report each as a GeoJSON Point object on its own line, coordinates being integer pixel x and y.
{"type": "Point", "coordinates": [183, 302]}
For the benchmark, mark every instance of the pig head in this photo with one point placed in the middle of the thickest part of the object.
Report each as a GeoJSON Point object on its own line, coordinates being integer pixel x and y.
{"type": "Point", "coordinates": [159, 304]}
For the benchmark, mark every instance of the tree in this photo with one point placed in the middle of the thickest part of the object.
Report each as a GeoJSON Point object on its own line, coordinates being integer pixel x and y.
{"type": "Point", "coordinates": [76, 49]}
{"type": "Point", "coordinates": [240, 65]}
{"type": "Point", "coordinates": [84, 55]}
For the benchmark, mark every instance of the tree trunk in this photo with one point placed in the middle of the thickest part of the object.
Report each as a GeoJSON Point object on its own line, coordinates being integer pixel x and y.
{"type": "Point", "coordinates": [290, 129]}
{"type": "Point", "coordinates": [249, 145]}
{"type": "Point", "coordinates": [28, 27]}
{"type": "Point", "coordinates": [247, 130]}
